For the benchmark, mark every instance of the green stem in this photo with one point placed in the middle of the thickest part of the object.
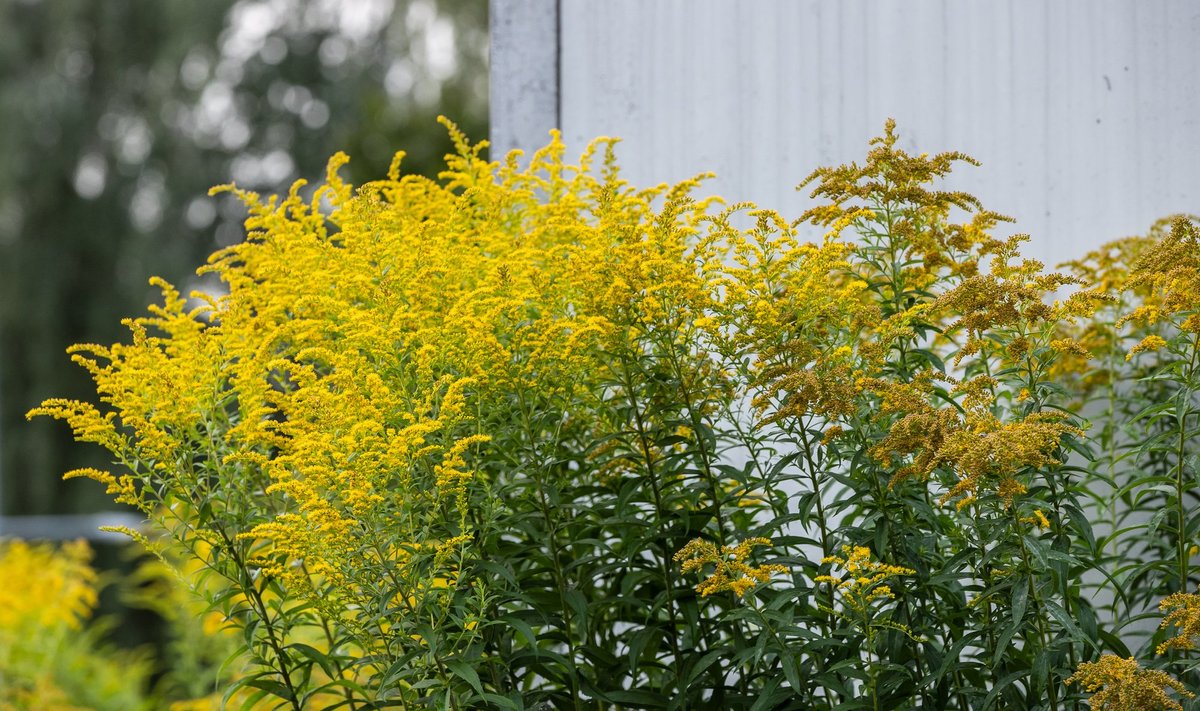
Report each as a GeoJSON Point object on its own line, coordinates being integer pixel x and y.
{"type": "Point", "coordinates": [398, 586]}
{"type": "Point", "coordinates": [1038, 607]}
{"type": "Point", "coordinates": [1183, 409]}
{"type": "Point", "coordinates": [337, 665]}
{"type": "Point", "coordinates": [560, 581]}
{"type": "Point", "coordinates": [766, 623]}
{"type": "Point", "coordinates": [1111, 442]}
{"type": "Point", "coordinates": [702, 446]}
{"type": "Point", "coordinates": [656, 489]}
{"type": "Point", "coordinates": [872, 666]}
{"type": "Point", "coordinates": [984, 571]}
{"type": "Point", "coordinates": [260, 608]}
{"type": "Point", "coordinates": [706, 459]}
{"type": "Point", "coordinates": [826, 544]}
{"type": "Point", "coordinates": [811, 467]}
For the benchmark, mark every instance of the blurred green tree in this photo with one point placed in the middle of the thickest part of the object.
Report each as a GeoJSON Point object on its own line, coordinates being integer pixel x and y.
{"type": "Point", "coordinates": [117, 116]}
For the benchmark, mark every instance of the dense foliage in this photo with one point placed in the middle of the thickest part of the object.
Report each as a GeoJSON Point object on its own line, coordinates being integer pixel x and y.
{"type": "Point", "coordinates": [533, 437]}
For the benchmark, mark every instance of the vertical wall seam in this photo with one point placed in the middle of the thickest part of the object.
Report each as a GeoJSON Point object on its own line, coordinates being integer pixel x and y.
{"type": "Point", "coordinates": [558, 65]}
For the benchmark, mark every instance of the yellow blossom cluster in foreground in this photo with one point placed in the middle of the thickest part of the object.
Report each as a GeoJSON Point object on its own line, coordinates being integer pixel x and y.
{"type": "Point", "coordinates": [45, 586]}
{"type": "Point", "coordinates": [46, 594]}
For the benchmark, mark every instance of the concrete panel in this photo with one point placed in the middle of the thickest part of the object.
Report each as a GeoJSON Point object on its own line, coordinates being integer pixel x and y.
{"type": "Point", "coordinates": [523, 59]}
{"type": "Point", "coordinates": [1085, 113]}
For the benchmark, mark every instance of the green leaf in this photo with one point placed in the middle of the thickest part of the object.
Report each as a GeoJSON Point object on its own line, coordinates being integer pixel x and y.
{"type": "Point", "coordinates": [501, 701]}
{"type": "Point", "coordinates": [1036, 549]}
{"type": "Point", "coordinates": [949, 658]}
{"type": "Point", "coordinates": [701, 666]}
{"type": "Point", "coordinates": [1019, 599]}
{"type": "Point", "coordinates": [636, 698]}
{"type": "Point", "coordinates": [1041, 673]}
{"type": "Point", "coordinates": [523, 628]}
{"type": "Point", "coordinates": [1068, 623]}
{"type": "Point", "coordinates": [467, 673]}
{"type": "Point", "coordinates": [999, 688]}
{"type": "Point", "coordinates": [327, 664]}
{"type": "Point", "coordinates": [271, 686]}
{"type": "Point", "coordinates": [1082, 525]}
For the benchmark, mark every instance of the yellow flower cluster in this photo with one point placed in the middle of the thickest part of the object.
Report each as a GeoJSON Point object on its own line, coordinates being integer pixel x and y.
{"type": "Point", "coordinates": [1107, 270]}
{"type": "Point", "coordinates": [46, 594]}
{"type": "Point", "coordinates": [1011, 298]}
{"type": "Point", "coordinates": [1153, 342]}
{"type": "Point", "coordinates": [730, 569]}
{"type": "Point", "coordinates": [918, 283]}
{"type": "Point", "coordinates": [1183, 612]}
{"type": "Point", "coordinates": [890, 178]}
{"type": "Point", "coordinates": [791, 306]}
{"type": "Point", "coordinates": [860, 580]}
{"type": "Point", "coordinates": [983, 450]}
{"type": "Point", "coordinates": [45, 586]}
{"type": "Point", "coordinates": [1119, 684]}
{"type": "Point", "coordinates": [352, 424]}
{"type": "Point", "coordinates": [1168, 271]}
{"type": "Point", "coordinates": [41, 695]}
{"type": "Point", "coordinates": [132, 379]}
{"type": "Point", "coordinates": [832, 314]}
{"type": "Point", "coordinates": [1038, 520]}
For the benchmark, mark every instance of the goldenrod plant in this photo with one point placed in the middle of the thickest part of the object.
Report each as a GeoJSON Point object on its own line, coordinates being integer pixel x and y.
{"type": "Point", "coordinates": [527, 436]}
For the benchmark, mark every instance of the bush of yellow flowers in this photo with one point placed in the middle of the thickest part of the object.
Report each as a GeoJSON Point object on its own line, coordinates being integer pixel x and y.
{"type": "Point", "coordinates": [527, 436]}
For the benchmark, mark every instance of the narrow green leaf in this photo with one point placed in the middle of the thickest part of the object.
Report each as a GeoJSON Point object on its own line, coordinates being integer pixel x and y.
{"type": "Point", "coordinates": [467, 673]}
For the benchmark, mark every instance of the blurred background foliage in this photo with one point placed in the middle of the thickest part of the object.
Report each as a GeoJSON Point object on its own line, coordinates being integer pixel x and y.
{"type": "Point", "coordinates": [117, 116]}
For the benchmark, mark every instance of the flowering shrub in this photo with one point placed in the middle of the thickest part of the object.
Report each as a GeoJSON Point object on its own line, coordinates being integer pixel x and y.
{"type": "Point", "coordinates": [534, 437]}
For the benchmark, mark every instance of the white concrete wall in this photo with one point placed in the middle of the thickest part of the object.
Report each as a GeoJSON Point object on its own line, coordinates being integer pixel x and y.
{"type": "Point", "coordinates": [523, 65]}
{"type": "Point", "coordinates": [1085, 113]}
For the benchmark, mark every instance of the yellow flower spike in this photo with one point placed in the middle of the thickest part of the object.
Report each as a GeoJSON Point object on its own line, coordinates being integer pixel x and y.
{"type": "Point", "coordinates": [865, 581]}
{"type": "Point", "coordinates": [1167, 276]}
{"type": "Point", "coordinates": [831, 433]}
{"type": "Point", "coordinates": [1182, 612]}
{"type": "Point", "coordinates": [984, 451]}
{"type": "Point", "coordinates": [1119, 684]}
{"type": "Point", "coordinates": [1152, 342]}
{"type": "Point", "coordinates": [731, 572]}
{"type": "Point", "coordinates": [1037, 519]}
